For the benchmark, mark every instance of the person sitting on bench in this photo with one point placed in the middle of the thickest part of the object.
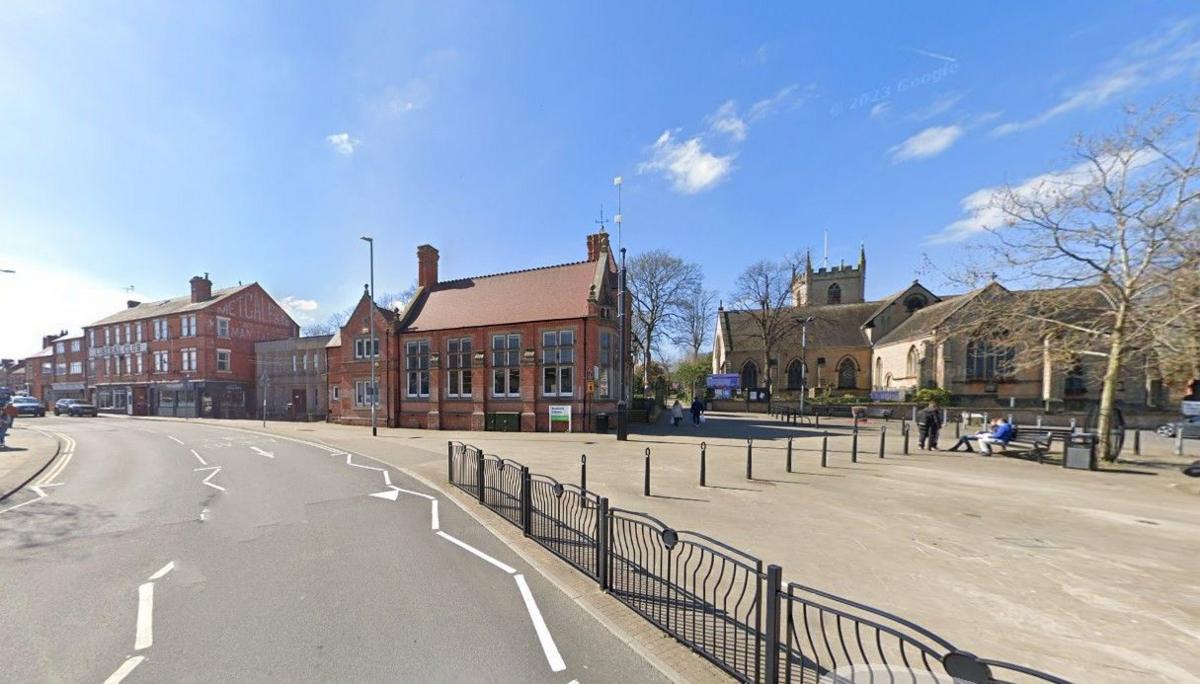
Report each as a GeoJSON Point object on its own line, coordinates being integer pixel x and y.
{"type": "Point", "coordinates": [965, 440]}
{"type": "Point", "coordinates": [1002, 435]}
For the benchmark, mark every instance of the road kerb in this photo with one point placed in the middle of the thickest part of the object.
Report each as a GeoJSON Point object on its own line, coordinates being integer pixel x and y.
{"type": "Point", "coordinates": [41, 469]}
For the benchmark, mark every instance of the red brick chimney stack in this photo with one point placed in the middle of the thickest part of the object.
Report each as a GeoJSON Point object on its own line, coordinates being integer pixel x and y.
{"type": "Point", "coordinates": [597, 244]}
{"type": "Point", "coordinates": [47, 340]}
{"type": "Point", "coordinates": [427, 266]}
{"type": "Point", "coordinates": [201, 289]}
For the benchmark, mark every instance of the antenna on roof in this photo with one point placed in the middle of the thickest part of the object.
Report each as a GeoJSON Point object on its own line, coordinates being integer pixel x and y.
{"type": "Point", "coordinates": [618, 181]}
{"type": "Point", "coordinates": [601, 220]}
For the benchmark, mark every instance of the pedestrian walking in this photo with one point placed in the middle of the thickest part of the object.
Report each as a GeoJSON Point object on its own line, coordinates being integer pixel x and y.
{"type": "Point", "coordinates": [928, 426]}
{"type": "Point", "coordinates": [697, 411]}
{"type": "Point", "coordinates": [676, 413]}
{"type": "Point", "coordinates": [8, 416]}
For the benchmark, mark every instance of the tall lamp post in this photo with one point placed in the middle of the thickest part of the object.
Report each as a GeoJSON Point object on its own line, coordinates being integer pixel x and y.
{"type": "Point", "coordinates": [374, 355]}
{"type": "Point", "coordinates": [623, 399]}
{"type": "Point", "coordinates": [804, 360]}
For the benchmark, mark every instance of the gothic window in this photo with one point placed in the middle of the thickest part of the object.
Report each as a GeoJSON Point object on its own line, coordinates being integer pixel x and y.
{"type": "Point", "coordinates": [847, 374]}
{"type": "Point", "coordinates": [834, 296]}
{"type": "Point", "coordinates": [987, 361]}
{"type": "Point", "coordinates": [879, 372]}
{"type": "Point", "coordinates": [913, 369]}
{"type": "Point", "coordinates": [749, 375]}
{"type": "Point", "coordinates": [795, 375]}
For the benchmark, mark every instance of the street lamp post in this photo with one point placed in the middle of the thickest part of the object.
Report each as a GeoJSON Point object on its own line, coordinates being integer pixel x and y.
{"type": "Point", "coordinates": [622, 400]}
{"type": "Point", "coordinates": [804, 360]}
{"type": "Point", "coordinates": [374, 348]}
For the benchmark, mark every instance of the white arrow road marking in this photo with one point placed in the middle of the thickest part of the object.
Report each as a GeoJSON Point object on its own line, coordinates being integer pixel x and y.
{"type": "Point", "coordinates": [198, 457]}
{"type": "Point", "coordinates": [260, 452]}
{"type": "Point", "coordinates": [46, 480]}
{"type": "Point", "coordinates": [145, 617]}
{"type": "Point", "coordinates": [390, 494]}
{"type": "Point", "coordinates": [462, 544]}
{"type": "Point", "coordinates": [539, 625]}
{"type": "Point", "coordinates": [123, 671]}
{"type": "Point", "coordinates": [162, 572]}
{"type": "Point", "coordinates": [215, 470]}
{"type": "Point", "coordinates": [409, 491]}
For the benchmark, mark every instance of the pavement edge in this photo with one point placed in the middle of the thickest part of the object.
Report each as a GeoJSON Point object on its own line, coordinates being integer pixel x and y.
{"type": "Point", "coordinates": [57, 450]}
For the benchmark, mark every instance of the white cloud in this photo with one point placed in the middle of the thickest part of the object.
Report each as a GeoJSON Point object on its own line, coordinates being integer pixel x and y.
{"type": "Point", "coordinates": [300, 309]}
{"type": "Point", "coordinates": [343, 143]}
{"type": "Point", "coordinates": [43, 298]}
{"type": "Point", "coordinates": [1145, 62]}
{"type": "Point", "coordinates": [786, 95]}
{"type": "Point", "coordinates": [983, 211]}
{"type": "Point", "coordinates": [929, 142]}
{"type": "Point", "coordinates": [881, 110]}
{"type": "Point", "coordinates": [687, 164]}
{"type": "Point", "coordinates": [940, 105]}
{"type": "Point", "coordinates": [726, 120]}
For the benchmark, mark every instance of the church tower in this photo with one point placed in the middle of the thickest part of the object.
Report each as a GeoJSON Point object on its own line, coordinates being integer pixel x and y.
{"type": "Point", "coordinates": [840, 284]}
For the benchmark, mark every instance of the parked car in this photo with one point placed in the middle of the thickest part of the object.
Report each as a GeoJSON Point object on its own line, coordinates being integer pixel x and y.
{"type": "Point", "coordinates": [1189, 426]}
{"type": "Point", "coordinates": [80, 408]}
{"type": "Point", "coordinates": [60, 406]}
{"type": "Point", "coordinates": [28, 406]}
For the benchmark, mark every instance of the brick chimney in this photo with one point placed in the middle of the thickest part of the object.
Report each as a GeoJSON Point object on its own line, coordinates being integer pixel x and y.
{"type": "Point", "coordinates": [130, 303]}
{"type": "Point", "coordinates": [427, 266]}
{"type": "Point", "coordinates": [597, 244]}
{"type": "Point", "coordinates": [47, 340]}
{"type": "Point", "coordinates": [201, 288]}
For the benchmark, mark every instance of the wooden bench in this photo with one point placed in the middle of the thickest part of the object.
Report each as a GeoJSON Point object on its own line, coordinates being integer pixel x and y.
{"type": "Point", "coordinates": [1025, 443]}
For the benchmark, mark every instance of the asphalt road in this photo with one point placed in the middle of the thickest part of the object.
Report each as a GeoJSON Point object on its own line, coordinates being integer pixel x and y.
{"type": "Point", "coordinates": [159, 551]}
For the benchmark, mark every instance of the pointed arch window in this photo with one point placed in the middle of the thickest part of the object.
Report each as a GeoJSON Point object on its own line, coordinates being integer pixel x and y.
{"type": "Point", "coordinates": [834, 294]}
{"type": "Point", "coordinates": [749, 375]}
{"type": "Point", "coordinates": [795, 375]}
{"type": "Point", "coordinates": [879, 372]}
{"type": "Point", "coordinates": [847, 374]}
{"type": "Point", "coordinates": [913, 368]}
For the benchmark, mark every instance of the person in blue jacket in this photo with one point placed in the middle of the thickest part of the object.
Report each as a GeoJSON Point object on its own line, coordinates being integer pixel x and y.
{"type": "Point", "coordinates": [1002, 434]}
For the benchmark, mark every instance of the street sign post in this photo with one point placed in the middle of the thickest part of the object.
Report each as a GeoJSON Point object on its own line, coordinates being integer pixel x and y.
{"type": "Point", "coordinates": [560, 414]}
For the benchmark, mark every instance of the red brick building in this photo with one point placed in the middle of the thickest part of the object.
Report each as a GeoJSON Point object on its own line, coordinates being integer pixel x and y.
{"type": "Point", "coordinates": [59, 370]}
{"type": "Point", "coordinates": [489, 352]}
{"type": "Point", "coordinates": [187, 356]}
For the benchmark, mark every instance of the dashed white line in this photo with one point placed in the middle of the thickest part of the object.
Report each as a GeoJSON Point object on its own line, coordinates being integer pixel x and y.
{"type": "Point", "coordinates": [198, 457]}
{"type": "Point", "coordinates": [433, 524]}
{"type": "Point", "coordinates": [123, 671]}
{"type": "Point", "coordinates": [162, 572]}
{"type": "Point", "coordinates": [539, 625]}
{"type": "Point", "coordinates": [462, 544]}
{"type": "Point", "coordinates": [260, 452]}
{"type": "Point", "coordinates": [145, 617]}
{"type": "Point", "coordinates": [176, 439]}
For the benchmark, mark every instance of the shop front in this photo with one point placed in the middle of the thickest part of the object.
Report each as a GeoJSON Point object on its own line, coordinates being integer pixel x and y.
{"type": "Point", "coordinates": [198, 399]}
{"type": "Point", "coordinates": [64, 390]}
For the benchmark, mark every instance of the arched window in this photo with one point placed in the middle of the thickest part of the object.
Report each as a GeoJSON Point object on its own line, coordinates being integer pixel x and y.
{"type": "Point", "coordinates": [913, 369]}
{"type": "Point", "coordinates": [795, 375]}
{"type": "Point", "coordinates": [847, 374]}
{"type": "Point", "coordinates": [887, 381]}
{"type": "Point", "coordinates": [987, 361]}
{"type": "Point", "coordinates": [834, 296]}
{"type": "Point", "coordinates": [914, 302]}
{"type": "Point", "coordinates": [749, 375]}
{"type": "Point", "coordinates": [879, 372]}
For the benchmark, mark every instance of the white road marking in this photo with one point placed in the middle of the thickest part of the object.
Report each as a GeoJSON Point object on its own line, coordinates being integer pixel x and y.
{"type": "Point", "coordinates": [145, 617]}
{"type": "Point", "coordinates": [176, 439]}
{"type": "Point", "coordinates": [65, 456]}
{"type": "Point", "coordinates": [462, 544]}
{"type": "Point", "coordinates": [215, 470]}
{"type": "Point", "coordinates": [198, 457]}
{"type": "Point", "coordinates": [203, 514]}
{"type": "Point", "coordinates": [539, 625]}
{"type": "Point", "coordinates": [260, 452]}
{"type": "Point", "coordinates": [162, 572]}
{"type": "Point", "coordinates": [387, 479]}
{"type": "Point", "coordinates": [123, 671]}
{"type": "Point", "coordinates": [434, 520]}
{"type": "Point", "coordinates": [409, 491]}
{"type": "Point", "coordinates": [390, 494]}
{"type": "Point", "coordinates": [364, 467]}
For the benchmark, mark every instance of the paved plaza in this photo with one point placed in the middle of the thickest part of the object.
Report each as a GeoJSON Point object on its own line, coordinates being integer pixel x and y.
{"type": "Point", "coordinates": [1088, 575]}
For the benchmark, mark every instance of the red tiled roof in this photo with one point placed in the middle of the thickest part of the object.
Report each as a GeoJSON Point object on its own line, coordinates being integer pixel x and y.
{"type": "Point", "coordinates": [537, 294]}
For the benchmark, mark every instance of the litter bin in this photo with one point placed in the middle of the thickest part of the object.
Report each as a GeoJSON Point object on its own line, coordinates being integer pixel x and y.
{"type": "Point", "coordinates": [1079, 451]}
{"type": "Point", "coordinates": [601, 423]}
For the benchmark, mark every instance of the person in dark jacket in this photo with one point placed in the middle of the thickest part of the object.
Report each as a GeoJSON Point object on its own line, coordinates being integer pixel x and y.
{"type": "Point", "coordinates": [697, 409]}
{"type": "Point", "coordinates": [929, 425]}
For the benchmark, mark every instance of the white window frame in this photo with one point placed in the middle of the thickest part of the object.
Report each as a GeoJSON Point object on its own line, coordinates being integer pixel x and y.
{"type": "Point", "coordinates": [75, 344]}
{"type": "Point", "coordinates": [138, 328]}
{"type": "Point", "coordinates": [91, 338]}
{"type": "Point", "coordinates": [187, 325]}
{"type": "Point", "coordinates": [510, 369]}
{"type": "Point", "coordinates": [140, 366]}
{"type": "Point", "coordinates": [418, 370]}
{"type": "Point", "coordinates": [336, 392]}
{"type": "Point", "coordinates": [75, 368]}
{"type": "Point", "coordinates": [223, 321]}
{"type": "Point", "coordinates": [458, 368]}
{"type": "Point", "coordinates": [108, 336]}
{"type": "Point", "coordinates": [187, 360]}
{"type": "Point", "coordinates": [228, 361]}
{"type": "Point", "coordinates": [558, 359]}
{"type": "Point", "coordinates": [362, 392]}
{"type": "Point", "coordinates": [361, 345]}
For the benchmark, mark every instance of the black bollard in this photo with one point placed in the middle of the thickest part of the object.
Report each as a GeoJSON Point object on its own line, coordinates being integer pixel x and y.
{"type": "Point", "coordinates": [824, 449]}
{"type": "Point", "coordinates": [646, 484]}
{"type": "Point", "coordinates": [906, 431]}
{"type": "Point", "coordinates": [817, 419]}
{"type": "Point", "coordinates": [957, 429]}
{"type": "Point", "coordinates": [882, 439]}
{"type": "Point", "coordinates": [1137, 442]}
{"type": "Point", "coordinates": [583, 472]}
{"type": "Point", "coordinates": [789, 456]}
{"type": "Point", "coordinates": [854, 445]}
{"type": "Point", "coordinates": [703, 458]}
{"type": "Point", "coordinates": [750, 459]}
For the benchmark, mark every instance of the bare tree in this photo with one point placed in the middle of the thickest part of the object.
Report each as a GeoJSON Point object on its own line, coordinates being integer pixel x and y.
{"type": "Point", "coordinates": [764, 292]}
{"type": "Point", "coordinates": [659, 284]}
{"type": "Point", "coordinates": [695, 323]}
{"type": "Point", "coordinates": [1099, 242]}
{"type": "Point", "coordinates": [1171, 314]}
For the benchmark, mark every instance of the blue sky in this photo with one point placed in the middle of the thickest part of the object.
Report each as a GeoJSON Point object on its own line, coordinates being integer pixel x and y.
{"type": "Point", "coordinates": [145, 143]}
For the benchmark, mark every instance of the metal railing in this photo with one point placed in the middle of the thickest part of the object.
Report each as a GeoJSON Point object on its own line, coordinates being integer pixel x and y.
{"type": "Point", "coordinates": [715, 599]}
